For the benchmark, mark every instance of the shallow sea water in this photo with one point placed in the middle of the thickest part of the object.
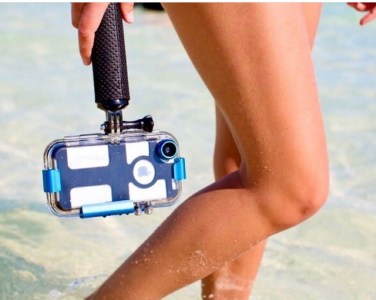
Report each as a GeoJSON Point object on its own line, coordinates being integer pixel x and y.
{"type": "Point", "coordinates": [46, 93]}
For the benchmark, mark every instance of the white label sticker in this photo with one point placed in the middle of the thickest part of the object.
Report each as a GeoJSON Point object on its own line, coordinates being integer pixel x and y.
{"type": "Point", "coordinates": [156, 191]}
{"type": "Point", "coordinates": [90, 195]}
{"type": "Point", "coordinates": [137, 149]}
{"type": "Point", "coordinates": [88, 157]}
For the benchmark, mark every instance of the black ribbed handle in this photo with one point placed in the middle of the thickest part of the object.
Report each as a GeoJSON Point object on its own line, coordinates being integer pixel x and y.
{"type": "Point", "coordinates": [109, 62]}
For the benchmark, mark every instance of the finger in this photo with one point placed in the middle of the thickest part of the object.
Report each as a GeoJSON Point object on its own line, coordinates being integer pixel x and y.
{"type": "Point", "coordinates": [368, 17]}
{"type": "Point", "coordinates": [76, 11]}
{"type": "Point", "coordinates": [91, 17]}
{"type": "Point", "coordinates": [359, 6]}
{"type": "Point", "coordinates": [127, 12]}
{"type": "Point", "coordinates": [368, 6]}
{"type": "Point", "coordinates": [356, 5]}
{"type": "Point", "coordinates": [352, 4]}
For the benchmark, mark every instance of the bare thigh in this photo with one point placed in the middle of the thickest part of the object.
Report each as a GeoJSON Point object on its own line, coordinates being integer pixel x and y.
{"type": "Point", "coordinates": [227, 158]}
{"type": "Point", "coordinates": [271, 101]}
{"type": "Point", "coordinates": [242, 272]}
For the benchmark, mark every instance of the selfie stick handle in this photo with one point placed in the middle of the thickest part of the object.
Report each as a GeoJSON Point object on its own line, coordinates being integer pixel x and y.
{"type": "Point", "coordinates": [109, 62]}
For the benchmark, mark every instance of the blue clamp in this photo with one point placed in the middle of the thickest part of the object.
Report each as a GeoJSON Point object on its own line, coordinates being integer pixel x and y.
{"type": "Point", "coordinates": [179, 169]}
{"type": "Point", "coordinates": [51, 181]}
{"type": "Point", "coordinates": [107, 209]}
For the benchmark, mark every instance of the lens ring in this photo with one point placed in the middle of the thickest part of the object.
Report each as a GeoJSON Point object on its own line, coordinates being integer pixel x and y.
{"type": "Point", "coordinates": [167, 149]}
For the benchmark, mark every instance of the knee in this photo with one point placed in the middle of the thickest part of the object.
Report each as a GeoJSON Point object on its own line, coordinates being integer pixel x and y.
{"type": "Point", "coordinates": [297, 201]}
{"type": "Point", "coordinates": [311, 197]}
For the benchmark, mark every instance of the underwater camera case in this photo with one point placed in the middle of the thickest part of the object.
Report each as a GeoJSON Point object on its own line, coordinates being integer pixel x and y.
{"type": "Point", "coordinates": [90, 175]}
{"type": "Point", "coordinates": [127, 169]}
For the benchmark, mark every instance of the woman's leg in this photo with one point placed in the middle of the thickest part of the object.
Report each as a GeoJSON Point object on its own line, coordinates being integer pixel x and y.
{"type": "Point", "coordinates": [235, 279]}
{"type": "Point", "coordinates": [255, 60]}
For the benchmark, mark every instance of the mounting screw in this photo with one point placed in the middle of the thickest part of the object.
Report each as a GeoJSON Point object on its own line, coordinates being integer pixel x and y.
{"type": "Point", "coordinates": [148, 210]}
{"type": "Point", "coordinates": [137, 211]}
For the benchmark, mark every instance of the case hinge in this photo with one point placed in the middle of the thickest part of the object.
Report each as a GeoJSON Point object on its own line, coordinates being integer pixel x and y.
{"type": "Point", "coordinates": [179, 169]}
{"type": "Point", "coordinates": [51, 181]}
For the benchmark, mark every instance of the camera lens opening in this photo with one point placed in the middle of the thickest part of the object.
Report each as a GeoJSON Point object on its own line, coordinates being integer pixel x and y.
{"type": "Point", "coordinates": [167, 149]}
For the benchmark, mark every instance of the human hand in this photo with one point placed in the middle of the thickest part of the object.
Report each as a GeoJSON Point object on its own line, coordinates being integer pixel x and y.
{"type": "Point", "coordinates": [86, 17]}
{"type": "Point", "coordinates": [370, 8]}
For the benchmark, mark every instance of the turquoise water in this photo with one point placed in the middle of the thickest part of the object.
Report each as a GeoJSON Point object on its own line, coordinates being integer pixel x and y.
{"type": "Point", "coordinates": [46, 93]}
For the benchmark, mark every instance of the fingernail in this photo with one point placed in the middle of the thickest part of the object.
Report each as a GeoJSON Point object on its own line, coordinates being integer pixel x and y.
{"type": "Point", "coordinates": [130, 17]}
{"type": "Point", "coordinates": [86, 61]}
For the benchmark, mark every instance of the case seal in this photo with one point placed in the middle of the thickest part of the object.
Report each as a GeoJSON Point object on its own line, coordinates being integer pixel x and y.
{"type": "Point", "coordinates": [179, 169]}
{"type": "Point", "coordinates": [107, 209]}
{"type": "Point", "coordinates": [51, 181]}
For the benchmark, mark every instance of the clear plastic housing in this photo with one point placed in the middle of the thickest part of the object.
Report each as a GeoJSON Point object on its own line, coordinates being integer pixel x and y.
{"type": "Point", "coordinates": [97, 169]}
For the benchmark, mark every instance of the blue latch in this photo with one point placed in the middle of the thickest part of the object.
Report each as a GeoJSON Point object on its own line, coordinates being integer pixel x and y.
{"type": "Point", "coordinates": [51, 181]}
{"type": "Point", "coordinates": [179, 169]}
{"type": "Point", "coordinates": [107, 209]}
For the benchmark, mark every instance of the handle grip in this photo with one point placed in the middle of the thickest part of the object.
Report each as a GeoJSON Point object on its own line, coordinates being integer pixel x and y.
{"type": "Point", "coordinates": [109, 62]}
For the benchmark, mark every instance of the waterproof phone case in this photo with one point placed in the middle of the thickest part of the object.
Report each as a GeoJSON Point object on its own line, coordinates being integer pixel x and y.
{"type": "Point", "coordinates": [91, 175]}
{"type": "Point", "coordinates": [128, 168]}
